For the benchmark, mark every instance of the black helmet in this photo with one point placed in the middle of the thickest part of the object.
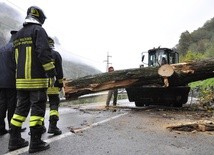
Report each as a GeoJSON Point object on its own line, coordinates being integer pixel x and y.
{"type": "Point", "coordinates": [36, 13]}
{"type": "Point", "coordinates": [51, 42]}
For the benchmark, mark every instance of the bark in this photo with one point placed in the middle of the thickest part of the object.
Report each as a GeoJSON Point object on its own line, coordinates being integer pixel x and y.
{"type": "Point", "coordinates": [184, 73]}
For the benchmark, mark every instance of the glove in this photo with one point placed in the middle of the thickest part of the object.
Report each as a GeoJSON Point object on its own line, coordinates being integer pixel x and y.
{"type": "Point", "coordinates": [51, 73]}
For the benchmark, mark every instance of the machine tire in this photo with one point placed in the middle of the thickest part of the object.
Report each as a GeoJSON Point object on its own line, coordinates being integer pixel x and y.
{"type": "Point", "coordinates": [178, 104]}
{"type": "Point", "coordinates": [139, 104]}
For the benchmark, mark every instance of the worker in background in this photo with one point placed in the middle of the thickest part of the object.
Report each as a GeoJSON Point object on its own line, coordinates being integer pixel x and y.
{"type": "Point", "coordinates": [8, 94]}
{"type": "Point", "coordinates": [34, 67]}
{"type": "Point", "coordinates": [54, 90]}
{"type": "Point", "coordinates": [163, 61]}
{"type": "Point", "coordinates": [113, 92]}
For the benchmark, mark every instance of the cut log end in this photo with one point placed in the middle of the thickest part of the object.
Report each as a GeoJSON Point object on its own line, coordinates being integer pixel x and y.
{"type": "Point", "coordinates": [165, 70]}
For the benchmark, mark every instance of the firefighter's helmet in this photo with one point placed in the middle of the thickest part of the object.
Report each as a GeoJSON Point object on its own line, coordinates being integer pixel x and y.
{"type": "Point", "coordinates": [36, 13]}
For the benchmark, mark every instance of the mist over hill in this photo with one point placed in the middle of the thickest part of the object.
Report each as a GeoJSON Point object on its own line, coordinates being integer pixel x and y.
{"type": "Point", "coordinates": [10, 19]}
{"type": "Point", "coordinates": [74, 67]}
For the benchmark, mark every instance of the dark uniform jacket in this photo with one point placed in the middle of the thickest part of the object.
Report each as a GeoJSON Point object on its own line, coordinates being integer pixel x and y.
{"type": "Point", "coordinates": [7, 66]}
{"type": "Point", "coordinates": [33, 57]}
{"type": "Point", "coordinates": [57, 59]}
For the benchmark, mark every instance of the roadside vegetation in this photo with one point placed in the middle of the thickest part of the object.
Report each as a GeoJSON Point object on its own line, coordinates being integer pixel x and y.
{"type": "Point", "coordinates": [196, 46]}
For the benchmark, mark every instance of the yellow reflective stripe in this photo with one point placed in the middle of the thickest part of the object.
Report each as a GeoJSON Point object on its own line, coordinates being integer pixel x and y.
{"type": "Point", "coordinates": [36, 120]}
{"type": "Point", "coordinates": [35, 123]}
{"type": "Point", "coordinates": [19, 117]}
{"type": "Point", "coordinates": [16, 55]}
{"type": "Point", "coordinates": [16, 123]}
{"type": "Point", "coordinates": [51, 81]}
{"type": "Point", "coordinates": [54, 113]}
{"type": "Point", "coordinates": [32, 80]}
{"type": "Point", "coordinates": [27, 86]}
{"type": "Point", "coordinates": [53, 90]}
{"type": "Point", "coordinates": [28, 62]}
{"type": "Point", "coordinates": [17, 120]}
{"type": "Point", "coordinates": [32, 83]}
{"type": "Point", "coordinates": [48, 66]}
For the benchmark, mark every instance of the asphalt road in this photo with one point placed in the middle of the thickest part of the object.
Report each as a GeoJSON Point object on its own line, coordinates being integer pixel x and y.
{"type": "Point", "coordinates": [122, 131]}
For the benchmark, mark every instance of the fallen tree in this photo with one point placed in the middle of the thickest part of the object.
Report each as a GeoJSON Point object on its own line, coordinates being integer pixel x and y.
{"type": "Point", "coordinates": [183, 73]}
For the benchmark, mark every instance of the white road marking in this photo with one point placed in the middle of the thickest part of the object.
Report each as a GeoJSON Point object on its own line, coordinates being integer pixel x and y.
{"type": "Point", "coordinates": [25, 149]}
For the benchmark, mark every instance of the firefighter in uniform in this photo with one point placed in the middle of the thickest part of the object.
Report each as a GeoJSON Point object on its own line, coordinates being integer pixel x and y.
{"type": "Point", "coordinates": [53, 92]}
{"type": "Point", "coordinates": [34, 67]}
{"type": "Point", "coordinates": [8, 98]}
{"type": "Point", "coordinates": [8, 93]}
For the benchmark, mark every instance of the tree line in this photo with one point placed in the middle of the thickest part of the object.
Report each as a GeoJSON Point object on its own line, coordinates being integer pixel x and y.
{"type": "Point", "coordinates": [196, 46]}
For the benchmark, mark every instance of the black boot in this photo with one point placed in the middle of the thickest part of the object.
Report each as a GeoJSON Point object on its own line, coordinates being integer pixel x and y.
{"type": "Point", "coordinates": [16, 141]}
{"type": "Point", "coordinates": [22, 129]}
{"type": "Point", "coordinates": [43, 130]}
{"type": "Point", "coordinates": [36, 144]}
{"type": "Point", "coordinates": [53, 129]}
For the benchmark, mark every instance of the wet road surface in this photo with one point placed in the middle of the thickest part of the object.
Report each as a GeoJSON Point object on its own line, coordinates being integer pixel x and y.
{"type": "Point", "coordinates": [121, 131]}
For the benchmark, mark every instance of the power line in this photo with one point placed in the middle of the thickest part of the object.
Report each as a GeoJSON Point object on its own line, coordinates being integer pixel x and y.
{"type": "Point", "coordinates": [107, 61]}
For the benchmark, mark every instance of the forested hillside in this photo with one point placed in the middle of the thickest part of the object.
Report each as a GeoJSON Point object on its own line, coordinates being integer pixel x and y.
{"type": "Point", "coordinates": [196, 46]}
{"type": "Point", "coordinates": [11, 19]}
{"type": "Point", "coordinates": [73, 70]}
{"type": "Point", "coordinates": [200, 42]}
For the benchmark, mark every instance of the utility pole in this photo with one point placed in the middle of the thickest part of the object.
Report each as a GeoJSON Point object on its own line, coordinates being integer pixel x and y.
{"type": "Point", "coordinates": [107, 61]}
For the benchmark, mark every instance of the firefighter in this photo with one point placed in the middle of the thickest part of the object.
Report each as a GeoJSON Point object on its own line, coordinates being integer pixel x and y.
{"type": "Point", "coordinates": [8, 98]}
{"type": "Point", "coordinates": [54, 90]}
{"type": "Point", "coordinates": [8, 94]}
{"type": "Point", "coordinates": [113, 92]}
{"type": "Point", "coordinates": [34, 67]}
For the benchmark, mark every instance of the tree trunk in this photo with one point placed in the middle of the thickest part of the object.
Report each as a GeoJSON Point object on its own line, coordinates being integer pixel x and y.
{"type": "Point", "coordinates": [183, 74]}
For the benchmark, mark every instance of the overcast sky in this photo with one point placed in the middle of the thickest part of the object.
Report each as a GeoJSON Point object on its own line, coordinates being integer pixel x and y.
{"type": "Point", "coordinates": [123, 28]}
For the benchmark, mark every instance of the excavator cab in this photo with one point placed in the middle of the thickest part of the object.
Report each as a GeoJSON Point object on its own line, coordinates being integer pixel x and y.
{"type": "Point", "coordinates": [161, 56]}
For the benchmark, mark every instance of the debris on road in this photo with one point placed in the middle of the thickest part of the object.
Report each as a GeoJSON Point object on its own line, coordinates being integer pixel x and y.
{"type": "Point", "coordinates": [200, 126]}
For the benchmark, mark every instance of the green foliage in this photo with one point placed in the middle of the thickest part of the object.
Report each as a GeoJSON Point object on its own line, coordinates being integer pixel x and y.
{"type": "Point", "coordinates": [199, 41]}
{"type": "Point", "coordinates": [195, 46]}
{"type": "Point", "coordinates": [203, 84]}
{"type": "Point", "coordinates": [200, 34]}
{"type": "Point", "coordinates": [205, 89]}
{"type": "Point", "coordinates": [184, 42]}
{"type": "Point", "coordinates": [190, 56]}
{"type": "Point", "coordinates": [209, 53]}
